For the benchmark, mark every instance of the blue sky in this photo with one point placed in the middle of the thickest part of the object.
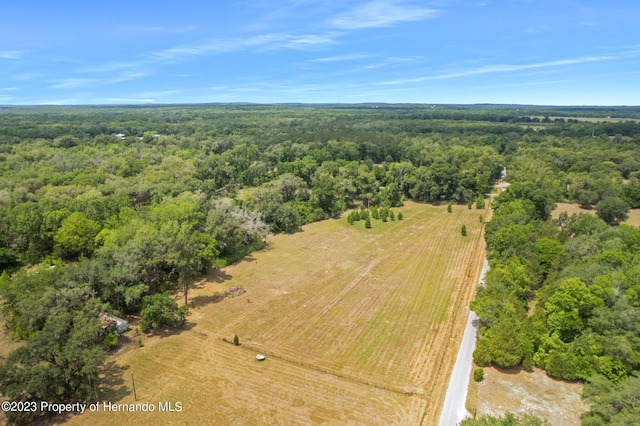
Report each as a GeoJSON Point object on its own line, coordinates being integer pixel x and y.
{"type": "Point", "coordinates": [551, 52]}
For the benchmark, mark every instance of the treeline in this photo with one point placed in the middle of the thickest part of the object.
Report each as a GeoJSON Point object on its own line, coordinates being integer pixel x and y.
{"type": "Point", "coordinates": [111, 210]}
{"type": "Point", "coordinates": [563, 296]}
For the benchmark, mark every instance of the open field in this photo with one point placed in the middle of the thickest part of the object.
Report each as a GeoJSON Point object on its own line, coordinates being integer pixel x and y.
{"type": "Point", "coordinates": [634, 214]}
{"type": "Point", "coordinates": [359, 326]}
{"type": "Point", "coordinates": [519, 392]}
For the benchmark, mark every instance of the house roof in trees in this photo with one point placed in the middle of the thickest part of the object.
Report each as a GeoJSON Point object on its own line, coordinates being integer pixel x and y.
{"type": "Point", "coordinates": [107, 320]}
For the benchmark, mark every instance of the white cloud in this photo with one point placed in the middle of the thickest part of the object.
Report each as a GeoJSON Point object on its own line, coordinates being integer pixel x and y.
{"type": "Point", "coordinates": [24, 77]}
{"type": "Point", "coordinates": [381, 13]}
{"type": "Point", "coordinates": [73, 83]}
{"type": "Point", "coordinates": [492, 69]}
{"type": "Point", "coordinates": [11, 54]}
{"type": "Point", "coordinates": [160, 94]}
{"type": "Point", "coordinates": [341, 58]}
{"type": "Point", "coordinates": [265, 41]}
{"type": "Point", "coordinates": [117, 66]}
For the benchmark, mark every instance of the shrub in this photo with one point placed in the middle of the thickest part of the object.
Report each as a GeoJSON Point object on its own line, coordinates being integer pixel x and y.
{"type": "Point", "coordinates": [449, 207]}
{"type": "Point", "coordinates": [527, 363]}
{"type": "Point", "coordinates": [110, 340]}
{"type": "Point", "coordinates": [159, 310]}
{"type": "Point", "coordinates": [236, 340]}
{"type": "Point", "coordinates": [478, 374]}
{"type": "Point", "coordinates": [367, 223]}
{"type": "Point", "coordinates": [463, 230]}
{"type": "Point", "coordinates": [400, 216]}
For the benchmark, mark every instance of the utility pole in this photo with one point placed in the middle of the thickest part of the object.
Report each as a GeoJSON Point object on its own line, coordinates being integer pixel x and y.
{"type": "Point", "coordinates": [135, 396]}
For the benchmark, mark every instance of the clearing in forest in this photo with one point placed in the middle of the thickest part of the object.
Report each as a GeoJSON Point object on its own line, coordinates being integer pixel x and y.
{"type": "Point", "coordinates": [633, 220]}
{"type": "Point", "coordinates": [358, 325]}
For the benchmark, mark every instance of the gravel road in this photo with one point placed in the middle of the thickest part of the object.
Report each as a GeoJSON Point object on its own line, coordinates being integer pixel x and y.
{"type": "Point", "coordinates": [453, 411]}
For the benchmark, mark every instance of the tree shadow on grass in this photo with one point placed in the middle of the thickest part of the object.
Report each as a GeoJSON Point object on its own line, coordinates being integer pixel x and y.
{"type": "Point", "coordinates": [112, 384]}
{"type": "Point", "coordinates": [213, 275]}
{"type": "Point", "coordinates": [166, 331]}
{"type": "Point", "coordinates": [112, 388]}
{"type": "Point", "coordinates": [511, 370]}
{"type": "Point", "coordinates": [200, 301]}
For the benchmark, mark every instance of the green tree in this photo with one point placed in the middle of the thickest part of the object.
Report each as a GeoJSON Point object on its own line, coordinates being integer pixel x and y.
{"type": "Point", "coordinates": [449, 208]}
{"type": "Point", "coordinates": [611, 403]}
{"type": "Point", "coordinates": [612, 210]}
{"type": "Point", "coordinates": [159, 310]}
{"type": "Point", "coordinates": [62, 358]}
{"type": "Point", "coordinates": [463, 230]}
{"type": "Point", "coordinates": [547, 252]}
{"type": "Point", "coordinates": [509, 419]}
{"type": "Point", "coordinates": [367, 222]}
{"type": "Point", "coordinates": [76, 235]}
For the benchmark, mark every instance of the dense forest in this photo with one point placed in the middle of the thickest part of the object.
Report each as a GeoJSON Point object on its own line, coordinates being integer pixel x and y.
{"type": "Point", "coordinates": [112, 209]}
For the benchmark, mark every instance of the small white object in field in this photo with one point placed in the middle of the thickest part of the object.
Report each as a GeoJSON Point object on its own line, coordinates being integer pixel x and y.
{"type": "Point", "coordinates": [260, 357]}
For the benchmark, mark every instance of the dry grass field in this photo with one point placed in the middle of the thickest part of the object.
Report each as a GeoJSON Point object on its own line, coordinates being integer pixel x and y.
{"type": "Point", "coordinates": [358, 326]}
{"type": "Point", "coordinates": [634, 214]}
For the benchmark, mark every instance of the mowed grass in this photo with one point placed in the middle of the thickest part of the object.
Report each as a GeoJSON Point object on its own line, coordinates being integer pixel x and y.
{"type": "Point", "coordinates": [359, 326]}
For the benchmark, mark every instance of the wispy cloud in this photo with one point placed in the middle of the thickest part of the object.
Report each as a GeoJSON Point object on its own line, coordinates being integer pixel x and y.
{"type": "Point", "coordinates": [123, 100]}
{"type": "Point", "coordinates": [155, 29]}
{"type": "Point", "coordinates": [116, 66]}
{"type": "Point", "coordinates": [537, 29]}
{"type": "Point", "coordinates": [11, 54]}
{"type": "Point", "coordinates": [264, 41]}
{"type": "Point", "coordinates": [24, 77]}
{"type": "Point", "coordinates": [73, 83]}
{"type": "Point", "coordinates": [492, 69]}
{"type": "Point", "coordinates": [341, 58]}
{"type": "Point", "coordinates": [381, 13]}
{"type": "Point", "coordinates": [160, 94]}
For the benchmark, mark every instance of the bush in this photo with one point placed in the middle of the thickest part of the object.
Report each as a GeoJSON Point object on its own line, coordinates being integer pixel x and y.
{"type": "Point", "coordinates": [367, 223]}
{"type": "Point", "coordinates": [236, 340]}
{"type": "Point", "coordinates": [449, 207]}
{"type": "Point", "coordinates": [400, 216]}
{"type": "Point", "coordinates": [482, 354]}
{"type": "Point", "coordinates": [463, 230]}
{"type": "Point", "coordinates": [527, 363]}
{"type": "Point", "coordinates": [478, 374]}
{"type": "Point", "coordinates": [110, 340]}
{"type": "Point", "coordinates": [159, 310]}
